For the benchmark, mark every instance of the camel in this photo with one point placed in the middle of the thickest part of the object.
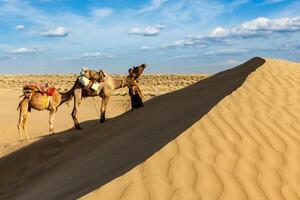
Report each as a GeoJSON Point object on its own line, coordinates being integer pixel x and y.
{"type": "Point", "coordinates": [108, 85]}
{"type": "Point", "coordinates": [40, 101]}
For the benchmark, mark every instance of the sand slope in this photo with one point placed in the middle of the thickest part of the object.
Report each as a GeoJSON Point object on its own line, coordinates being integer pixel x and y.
{"type": "Point", "coordinates": [246, 147]}
{"type": "Point", "coordinates": [239, 138]}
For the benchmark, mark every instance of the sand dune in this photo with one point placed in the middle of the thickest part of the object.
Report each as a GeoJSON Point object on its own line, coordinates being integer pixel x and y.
{"type": "Point", "coordinates": [246, 147]}
{"type": "Point", "coordinates": [235, 135]}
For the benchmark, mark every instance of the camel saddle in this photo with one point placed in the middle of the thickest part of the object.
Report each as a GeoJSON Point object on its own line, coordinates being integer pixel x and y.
{"type": "Point", "coordinates": [29, 89]}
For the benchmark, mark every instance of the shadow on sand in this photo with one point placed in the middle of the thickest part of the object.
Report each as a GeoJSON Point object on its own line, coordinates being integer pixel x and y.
{"type": "Point", "coordinates": [73, 163]}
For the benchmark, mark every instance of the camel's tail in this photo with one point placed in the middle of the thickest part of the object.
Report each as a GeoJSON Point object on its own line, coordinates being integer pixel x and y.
{"type": "Point", "coordinates": [18, 106]}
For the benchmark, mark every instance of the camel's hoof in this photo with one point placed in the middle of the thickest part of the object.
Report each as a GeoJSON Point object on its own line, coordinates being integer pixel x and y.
{"type": "Point", "coordinates": [78, 127]}
{"type": "Point", "coordinates": [102, 120]}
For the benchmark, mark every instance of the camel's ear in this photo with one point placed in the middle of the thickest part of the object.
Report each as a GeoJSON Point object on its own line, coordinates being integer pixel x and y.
{"type": "Point", "coordinates": [101, 73]}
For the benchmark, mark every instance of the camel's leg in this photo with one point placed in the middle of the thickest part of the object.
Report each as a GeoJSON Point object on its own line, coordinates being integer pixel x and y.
{"type": "Point", "coordinates": [103, 108]}
{"type": "Point", "coordinates": [23, 106]}
{"type": "Point", "coordinates": [77, 101]}
{"type": "Point", "coordinates": [25, 122]}
{"type": "Point", "coordinates": [51, 120]}
{"type": "Point", "coordinates": [20, 124]}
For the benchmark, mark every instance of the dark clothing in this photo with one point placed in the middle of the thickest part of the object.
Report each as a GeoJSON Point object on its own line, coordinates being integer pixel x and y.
{"type": "Point", "coordinates": [136, 99]}
{"type": "Point", "coordinates": [135, 93]}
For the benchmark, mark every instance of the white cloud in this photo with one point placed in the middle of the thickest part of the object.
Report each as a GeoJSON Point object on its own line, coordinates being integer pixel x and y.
{"type": "Point", "coordinates": [147, 31]}
{"type": "Point", "coordinates": [56, 32]}
{"type": "Point", "coordinates": [268, 2]}
{"type": "Point", "coordinates": [25, 50]}
{"type": "Point", "coordinates": [219, 32]}
{"type": "Point", "coordinates": [226, 52]}
{"type": "Point", "coordinates": [225, 63]}
{"type": "Point", "coordinates": [145, 48]}
{"type": "Point", "coordinates": [101, 12]}
{"type": "Point", "coordinates": [190, 41]}
{"type": "Point", "coordinates": [197, 42]}
{"type": "Point", "coordinates": [154, 5]}
{"type": "Point", "coordinates": [232, 63]}
{"type": "Point", "coordinates": [259, 27]}
{"type": "Point", "coordinates": [185, 56]}
{"type": "Point", "coordinates": [94, 56]}
{"type": "Point", "coordinates": [20, 27]}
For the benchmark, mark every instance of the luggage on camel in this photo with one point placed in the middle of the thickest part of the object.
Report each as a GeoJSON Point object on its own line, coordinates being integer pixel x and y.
{"type": "Point", "coordinates": [91, 79]}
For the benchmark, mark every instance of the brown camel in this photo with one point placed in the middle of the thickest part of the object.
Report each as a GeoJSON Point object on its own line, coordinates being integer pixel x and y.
{"type": "Point", "coordinates": [40, 101]}
{"type": "Point", "coordinates": [108, 85]}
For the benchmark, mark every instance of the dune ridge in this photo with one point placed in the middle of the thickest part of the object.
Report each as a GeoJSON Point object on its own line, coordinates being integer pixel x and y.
{"type": "Point", "coordinates": [238, 137]}
{"type": "Point", "coordinates": [246, 147]}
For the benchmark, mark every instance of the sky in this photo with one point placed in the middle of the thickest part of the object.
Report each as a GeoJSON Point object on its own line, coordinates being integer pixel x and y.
{"type": "Point", "coordinates": [171, 36]}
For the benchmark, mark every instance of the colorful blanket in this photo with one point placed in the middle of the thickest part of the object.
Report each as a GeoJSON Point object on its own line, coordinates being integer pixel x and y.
{"type": "Point", "coordinates": [38, 87]}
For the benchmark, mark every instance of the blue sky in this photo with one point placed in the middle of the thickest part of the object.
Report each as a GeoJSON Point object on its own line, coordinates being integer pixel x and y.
{"type": "Point", "coordinates": [171, 36]}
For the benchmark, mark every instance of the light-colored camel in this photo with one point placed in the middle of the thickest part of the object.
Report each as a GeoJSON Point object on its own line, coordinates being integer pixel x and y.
{"type": "Point", "coordinates": [108, 85]}
{"type": "Point", "coordinates": [40, 102]}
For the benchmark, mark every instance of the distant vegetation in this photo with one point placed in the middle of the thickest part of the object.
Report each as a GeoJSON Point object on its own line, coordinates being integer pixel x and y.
{"type": "Point", "coordinates": [151, 84]}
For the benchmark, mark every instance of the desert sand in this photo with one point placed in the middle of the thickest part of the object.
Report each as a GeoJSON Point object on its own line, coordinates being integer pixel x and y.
{"type": "Point", "coordinates": [234, 135]}
{"type": "Point", "coordinates": [38, 120]}
{"type": "Point", "coordinates": [10, 92]}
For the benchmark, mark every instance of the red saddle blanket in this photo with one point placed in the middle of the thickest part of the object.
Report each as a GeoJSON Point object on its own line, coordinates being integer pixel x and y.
{"type": "Point", "coordinates": [42, 88]}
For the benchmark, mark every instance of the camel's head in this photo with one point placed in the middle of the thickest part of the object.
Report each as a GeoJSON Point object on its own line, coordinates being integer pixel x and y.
{"type": "Point", "coordinates": [101, 75]}
{"type": "Point", "coordinates": [135, 72]}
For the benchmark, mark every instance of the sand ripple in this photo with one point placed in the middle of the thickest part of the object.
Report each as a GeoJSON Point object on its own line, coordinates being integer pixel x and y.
{"type": "Point", "coordinates": [246, 147]}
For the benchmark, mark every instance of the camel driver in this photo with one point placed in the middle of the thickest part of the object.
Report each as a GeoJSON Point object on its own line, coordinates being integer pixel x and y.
{"type": "Point", "coordinates": [135, 93]}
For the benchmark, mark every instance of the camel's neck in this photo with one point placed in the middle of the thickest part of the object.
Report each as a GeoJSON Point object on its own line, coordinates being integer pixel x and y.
{"type": "Point", "coordinates": [66, 96]}
{"type": "Point", "coordinates": [119, 83]}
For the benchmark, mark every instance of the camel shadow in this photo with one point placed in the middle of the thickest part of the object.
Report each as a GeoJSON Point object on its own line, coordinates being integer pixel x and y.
{"type": "Point", "coordinates": [73, 163]}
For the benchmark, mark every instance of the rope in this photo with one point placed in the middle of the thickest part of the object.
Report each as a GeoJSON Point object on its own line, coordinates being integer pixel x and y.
{"type": "Point", "coordinates": [96, 107]}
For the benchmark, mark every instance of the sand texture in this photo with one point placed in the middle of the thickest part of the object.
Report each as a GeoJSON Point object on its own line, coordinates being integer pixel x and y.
{"type": "Point", "coordinates": [234, 135]}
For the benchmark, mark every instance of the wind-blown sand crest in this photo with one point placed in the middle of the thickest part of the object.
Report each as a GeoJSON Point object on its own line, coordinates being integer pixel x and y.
{"type": "Point", "coordinates": [238, 138]}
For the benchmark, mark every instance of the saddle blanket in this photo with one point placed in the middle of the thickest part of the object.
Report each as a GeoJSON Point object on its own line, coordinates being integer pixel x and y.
{"type": "Point", "coordinates": [39, 87]}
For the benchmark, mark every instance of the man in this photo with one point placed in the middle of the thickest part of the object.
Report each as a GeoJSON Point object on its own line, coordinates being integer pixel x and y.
{"type": "Point", "coordinates": [135, 93]}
